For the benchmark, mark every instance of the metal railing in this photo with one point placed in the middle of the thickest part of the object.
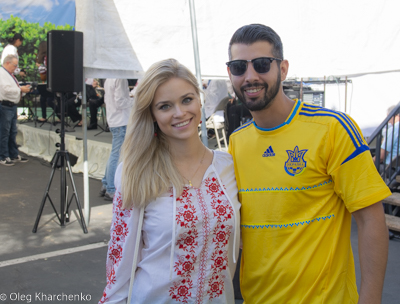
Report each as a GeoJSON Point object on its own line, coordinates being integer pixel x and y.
{"type": "Point", "coordinates": [384, 144]}
{"type": "Point", "coordinates": [387, 137]}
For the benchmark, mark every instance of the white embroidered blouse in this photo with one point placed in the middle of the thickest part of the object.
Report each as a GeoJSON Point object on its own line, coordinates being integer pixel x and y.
{"type": "Point", "coordinates": [189, 244]}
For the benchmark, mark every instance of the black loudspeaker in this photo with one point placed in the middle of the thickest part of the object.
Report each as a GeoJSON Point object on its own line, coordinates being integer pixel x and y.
{"type": "Point", "coordinates": [64, 61]}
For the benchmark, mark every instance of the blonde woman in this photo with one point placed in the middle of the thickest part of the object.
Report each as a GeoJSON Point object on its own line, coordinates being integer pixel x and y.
{"type": "Point", "coordinates": [181, 194]}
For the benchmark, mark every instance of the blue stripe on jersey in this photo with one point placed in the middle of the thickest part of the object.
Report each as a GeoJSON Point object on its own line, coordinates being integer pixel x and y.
{"type": "Point", "coordinates": [358, 143]}
{"type": "Point", "coordinates": [341, 122]}
{"type": "Point", "coordinates": [286, 122]}
{"type": "Point", "coordinates": [243, 126]}
{"type": "Point", "coordinates": [358, 151]}
{"type": "Point", "coordinates": [342, 115]}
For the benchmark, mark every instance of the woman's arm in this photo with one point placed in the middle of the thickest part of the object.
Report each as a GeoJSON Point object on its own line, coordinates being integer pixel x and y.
{"type": "Point", "coordinates": [120, 248]}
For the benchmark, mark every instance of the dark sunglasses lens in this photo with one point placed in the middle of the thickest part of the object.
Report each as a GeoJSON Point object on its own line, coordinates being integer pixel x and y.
{"type": "Point", "coordinates": [238, 67]}
{"type": "Point", "coordinates": [262, 65]}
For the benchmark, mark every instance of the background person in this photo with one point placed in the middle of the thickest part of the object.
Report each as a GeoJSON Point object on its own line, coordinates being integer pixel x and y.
{"type": "Point", "coordinates": [72, 103]}
{"type": "Point", "coordinates": [118, 105]}
{"type": "Point", "coordinates": [10, 95]}
{"type": "Point", "coordinates": [190, 235]}
{"type": "Point", "coordinates": [41, 60]}
{"type": "Point", "coordinates": [95, 97]}
{"type": "Point", "coordinates": [11, 49]}
{"type": "Point", "coordinates": [389, 146]}
{"type": "Point", "coordinates": [46, 97]}
{"type": "Point", "coordinates": [304, 171]}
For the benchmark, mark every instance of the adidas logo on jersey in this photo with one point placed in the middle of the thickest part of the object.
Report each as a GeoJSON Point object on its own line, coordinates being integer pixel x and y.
{"type": "Point", "coordinates": [269, 152]}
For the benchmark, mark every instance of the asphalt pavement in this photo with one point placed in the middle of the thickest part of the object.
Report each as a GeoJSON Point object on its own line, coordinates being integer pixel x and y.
{"type": "Point", "coordinates": [63, 264]}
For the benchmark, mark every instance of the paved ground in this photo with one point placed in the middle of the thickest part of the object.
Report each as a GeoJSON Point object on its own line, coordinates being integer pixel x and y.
{"type": "Point", "coordinates": [55, 261]}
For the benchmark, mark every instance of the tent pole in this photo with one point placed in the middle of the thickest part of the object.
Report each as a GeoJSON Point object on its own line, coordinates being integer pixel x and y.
{"type": "Point", "coordinates": [198, 71]}
{"type": "Point", "coordinates": [345, 96]}
{"type": "Point", "coordinates": [86, 204]}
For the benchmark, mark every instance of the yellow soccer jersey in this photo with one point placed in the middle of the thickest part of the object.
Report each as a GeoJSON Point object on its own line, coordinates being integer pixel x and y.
{"type": "Point", "coordinates": [298, 184]}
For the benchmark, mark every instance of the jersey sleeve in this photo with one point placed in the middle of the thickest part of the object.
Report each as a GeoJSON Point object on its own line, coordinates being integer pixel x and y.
{"type": "Point", "coordinates": [357, 182]}
{"type": "Point", "coordinates": [120, 248]}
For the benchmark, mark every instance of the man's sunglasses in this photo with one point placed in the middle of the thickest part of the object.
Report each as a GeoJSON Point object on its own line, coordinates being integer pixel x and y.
{"type": "Point", "coordinates": [261, 65]}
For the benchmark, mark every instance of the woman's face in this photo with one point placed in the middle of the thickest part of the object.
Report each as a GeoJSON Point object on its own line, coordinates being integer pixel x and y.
{"type": "Point", "coordinates": [176, 108]}
{"type": "Point", "coordinates": [17, 43]}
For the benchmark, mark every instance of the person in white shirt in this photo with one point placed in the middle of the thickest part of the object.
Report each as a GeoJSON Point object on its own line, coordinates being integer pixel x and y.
{"type": "Point", "coordinates": [176, 223]}
{"type": "Point", "coordinates": [11, 49]}
{"type": "Point", "coordinates": [118, 106]}
{"type": "Point", "coordinates": [10, 94]}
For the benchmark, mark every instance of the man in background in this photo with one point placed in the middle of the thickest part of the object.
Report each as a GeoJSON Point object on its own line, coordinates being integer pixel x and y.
{"type": "Point", "coordinates": [118, 108]}
{"type": "Point", "coordinates": [10, 95]}
{"type": "Point", "coordinates": [389, 146]}
{"type": "Point", "coordinates": [95, 99]}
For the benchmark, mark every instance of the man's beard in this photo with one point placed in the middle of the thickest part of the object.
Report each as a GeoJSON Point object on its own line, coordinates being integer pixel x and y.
{"type": "Point", "coordinates": [263, 103]}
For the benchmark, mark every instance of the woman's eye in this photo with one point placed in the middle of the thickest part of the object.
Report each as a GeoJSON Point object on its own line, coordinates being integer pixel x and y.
{"type": "Point", "coordinates": [187, 100]}
{"type": "Point", "coordinates": [164, 107]}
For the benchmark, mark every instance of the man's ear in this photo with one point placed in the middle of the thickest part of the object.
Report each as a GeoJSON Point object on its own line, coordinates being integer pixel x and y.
{"type": "Point", "coordinates": [284, 66]}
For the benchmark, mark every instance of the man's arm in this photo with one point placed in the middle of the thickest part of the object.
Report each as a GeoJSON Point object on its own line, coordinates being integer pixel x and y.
{"type": "Point", "coordinates": [121, 94]}
{"type": "Point", "coordinates": [383, 155]}
{"type": "Point", "coordinates": [373, 243]}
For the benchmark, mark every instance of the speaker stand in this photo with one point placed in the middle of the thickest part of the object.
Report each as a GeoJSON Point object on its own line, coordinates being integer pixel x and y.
{"type": "Point", "coordinates": [61, 159]}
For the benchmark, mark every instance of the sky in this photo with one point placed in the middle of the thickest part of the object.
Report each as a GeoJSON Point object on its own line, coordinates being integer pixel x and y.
{"type": "Point", "coordinates": [58, 12]}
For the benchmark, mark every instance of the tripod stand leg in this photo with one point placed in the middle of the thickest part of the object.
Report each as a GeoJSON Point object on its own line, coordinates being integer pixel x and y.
{"type": "Point", "coordinates": [103, 129]}
{"type": "Point", "coordinates": [64, 162]}
{"type": "Point", "coordinates": [46, 193]}
{"type": "Point", "coordinates": [63, 189]}
{"type": "Point", "coordinates": [78, 204]}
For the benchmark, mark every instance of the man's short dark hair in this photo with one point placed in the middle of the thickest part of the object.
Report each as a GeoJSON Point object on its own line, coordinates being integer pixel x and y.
{"type": "Point", "coordinates": [251, 33]}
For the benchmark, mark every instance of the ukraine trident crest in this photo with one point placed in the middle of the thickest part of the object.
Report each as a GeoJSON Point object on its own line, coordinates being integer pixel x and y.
{"type": "Point", "coordinates": [296, 163]}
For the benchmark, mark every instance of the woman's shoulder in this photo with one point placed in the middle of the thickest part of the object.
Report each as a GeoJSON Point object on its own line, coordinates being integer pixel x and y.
{"type": "Point", "coordinates": [221, 156]}
{"type": "Point", "coordinates": [222, 161]}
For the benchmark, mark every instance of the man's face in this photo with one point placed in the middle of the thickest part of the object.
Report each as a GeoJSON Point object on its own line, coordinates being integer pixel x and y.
{"type": "Point", "coordinates": [256, 91]}
{"type": "Point", "coordinates": [11, 66]}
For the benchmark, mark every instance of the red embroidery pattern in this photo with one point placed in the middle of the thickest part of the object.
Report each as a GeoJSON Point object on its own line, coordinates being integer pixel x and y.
{"type": "Point", "coordinates": [223, 211]}
{"type": "Point", "coordinates": [186, 212]}
{"type": "Point", "coordinates": [187, 242]}
{"type": "Point", "coordinates": [180, 291]}
{"type": "Point", "coordinates": [214, 188]}
{"type": "Point", "coordinates": [206, 210]}
{"type": "Point", "coordinates": [204, 251]}
{"type": "Point", "coordinates": [103, 298]}
{"type": "Point", "coordinates": [219, 260]}
{"type": "Point", "coordinates": [119, 231]}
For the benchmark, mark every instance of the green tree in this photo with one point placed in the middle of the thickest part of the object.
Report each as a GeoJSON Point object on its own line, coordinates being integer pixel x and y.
{"type": "Point", "coordinates": [33, 34]}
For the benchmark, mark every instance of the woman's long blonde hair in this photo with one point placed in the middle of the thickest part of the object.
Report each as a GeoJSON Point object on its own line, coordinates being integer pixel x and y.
{"type": "Point", "coordinates": [148, 169]}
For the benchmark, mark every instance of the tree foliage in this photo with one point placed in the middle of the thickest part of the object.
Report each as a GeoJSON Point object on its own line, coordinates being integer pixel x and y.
{"type": "Point", "coordinates": [33, 34]}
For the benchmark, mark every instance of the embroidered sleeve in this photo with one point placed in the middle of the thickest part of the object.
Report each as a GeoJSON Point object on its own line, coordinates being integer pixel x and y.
{"type": "Point", "coordinates": [119, 255]}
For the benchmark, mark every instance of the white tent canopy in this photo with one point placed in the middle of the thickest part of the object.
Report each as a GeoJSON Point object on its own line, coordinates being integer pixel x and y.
{"type": "Point", "coordinates": [332, 39]}
{"type": "Point", "coordinates": [320, 38]}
